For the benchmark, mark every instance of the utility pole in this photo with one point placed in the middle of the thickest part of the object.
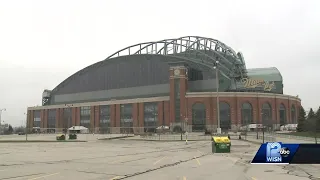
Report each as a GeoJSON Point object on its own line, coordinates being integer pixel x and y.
{"type": "Point", "coordinates": [217, 94]}
{"type": "Point", "coordinates": [181, 125]}
{"type": "Point", "coordinates": [3, 109]}
{"type": "Point", "coordinates": [69, 118]}
{"type": "Point", "coordinates": [26, 126]}
{"type": "Point", "coordinates": [163, 115]}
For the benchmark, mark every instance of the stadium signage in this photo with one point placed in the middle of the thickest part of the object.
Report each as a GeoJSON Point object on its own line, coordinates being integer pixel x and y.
{"type": "Point", "coordinates": [253, 83]}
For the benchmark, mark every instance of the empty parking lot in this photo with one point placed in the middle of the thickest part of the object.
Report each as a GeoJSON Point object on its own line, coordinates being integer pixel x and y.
{"type": "Point", "coordinates": [128, 159]}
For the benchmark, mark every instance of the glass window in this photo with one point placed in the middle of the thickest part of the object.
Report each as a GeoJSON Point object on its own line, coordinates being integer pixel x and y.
{"type": "Point", "coordinates": [150, 116]}
{"type": "Point", "coordinates": [36, 119]}
{"type": "Point", "coordinates": [85, 113]}
{"type": "Point", "coordinates": [52, 118]}
{"type": "Point", "coordinates": [86, 110]}
{"type": "Point", "coordinates": [282, 115]}
{"type": "Point", "coordinates": [293, 115]}
{"type": "Point", "coordinates": [67, 117]}
{"type": "Point", "coordinates": [246, 114]}
{"type": "Point", "coordinates": [126, 120]}
{"type": "Point", "coordinates": [177, 100]}
{"type": "Point", "coordinates": [105, 117]}
{"type": "Point", "coordinates": [225, 119]}
{"type": "Point", "coordinates": [266, 115]}
{"type": "Point", "coordinates": [198, 117]}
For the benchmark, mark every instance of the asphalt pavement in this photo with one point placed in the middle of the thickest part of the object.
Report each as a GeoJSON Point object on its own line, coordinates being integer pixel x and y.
{"type": "Point", "coordinates": [140, 160]}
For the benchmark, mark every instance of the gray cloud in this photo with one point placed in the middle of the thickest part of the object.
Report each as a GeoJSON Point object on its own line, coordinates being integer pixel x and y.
{"type": "Point", "coordinates": [43, 42]}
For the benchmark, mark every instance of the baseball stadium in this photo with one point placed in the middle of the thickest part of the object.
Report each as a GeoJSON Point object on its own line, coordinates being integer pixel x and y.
{"type": "Point", "coordinates": [189, 83]}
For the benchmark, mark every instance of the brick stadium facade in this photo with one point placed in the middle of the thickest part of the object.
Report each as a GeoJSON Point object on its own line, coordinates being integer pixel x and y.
{"type": "Point", "coordinates": [187, 99]}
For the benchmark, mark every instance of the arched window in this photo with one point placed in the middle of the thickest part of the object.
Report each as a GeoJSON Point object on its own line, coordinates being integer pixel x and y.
{"type": "Point", "coordinates": [85, 113]}
{"type": "Point", "coordinates": [198, 117]}
{"type": "Point", "coordinates": [52, 113]}
{"type": "Point", "coordinates": [282, 115]}
{"type": "Point", "coordinates": [105, 118]}
{"type": "Point", "coordinates": [225, 119]}
{"type": "Point", "coordinates": [266, 114]}
{"type": "Point", "coordinates": [36, 119]}
{"type": "Point", "coordinates": [293, 115]}
{"type": "Point", "coordinates": [150, 116]}
{"type": "Point", "coordinates": [67, 118]}
{"type": "Point", "coordinates": [126, 120]}
{"type": "Point", "coordinates": [246, 114]}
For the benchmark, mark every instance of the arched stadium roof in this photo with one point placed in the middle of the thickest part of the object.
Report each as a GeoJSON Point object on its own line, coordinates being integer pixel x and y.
{"type": "Point", "coordinates": [199, 52]}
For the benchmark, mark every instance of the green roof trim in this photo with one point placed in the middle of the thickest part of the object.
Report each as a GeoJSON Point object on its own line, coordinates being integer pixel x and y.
{"type": "Point", "coordinates": [268, 74]}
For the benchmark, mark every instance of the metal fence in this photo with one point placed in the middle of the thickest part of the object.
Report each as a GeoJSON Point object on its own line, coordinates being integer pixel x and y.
{"type": "Point", "coordinates": [172, 129]}
{"type": "Point", "coordinates": [143, 133]}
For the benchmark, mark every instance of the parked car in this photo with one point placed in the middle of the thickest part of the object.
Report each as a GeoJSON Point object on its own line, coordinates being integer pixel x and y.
{"type": "Point", "coordinates": [21, 133]}
{"type": "Point", "coordinates": [163, 129]}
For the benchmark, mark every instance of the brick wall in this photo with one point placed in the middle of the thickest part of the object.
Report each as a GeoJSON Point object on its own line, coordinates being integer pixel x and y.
{"type": "Point", "coordinates": [235, 104]}
{"type": "Point", "coordinates": [167, 111]}
{"type": "Point", "coordinates": [73, 116]}
{"type": "Point", "coordinates": [57, 118]}
{"type": "Point", "coordinates": [171, 102]}
{"type": "Point", "coordinates": [135, 114]}
{"type": "Point", "coordinates": [30, 116]}
{"type": "Point", "coordinates": [254, 104]}
{"type": "Point", "coordinates": [92, 115]}
{"type": "Point", "coordinates": [141, 114]}
{"type": "Point", "coordinates": [45, 120]}
{"type": "Point", "coordinates": [160, 113]}
{"type": "Point", "coordinates": [164, 111]}
{"type": "Point", "coordinates": [117, 120]}
{"type": "Point", "coordinates": [42, 118]}
{"type": "Point", "coordinates": [183, 89]}
{"type": "Point", "coordinates": [97, 116]}
{"type": "Point", "coordinates": [113, 115]}
{"type": "Point", "coordinates": [77, 116]}
{"type": "Point", "coordinates": [63, 123]}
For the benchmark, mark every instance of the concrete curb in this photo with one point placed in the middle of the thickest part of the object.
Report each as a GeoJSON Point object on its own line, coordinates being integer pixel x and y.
{"type": "Point", "coordinates": [37, 141]}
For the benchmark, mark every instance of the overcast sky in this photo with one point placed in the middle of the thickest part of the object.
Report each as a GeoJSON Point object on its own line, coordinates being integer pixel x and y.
{"type": "Point", "coordinates": [43, 42]}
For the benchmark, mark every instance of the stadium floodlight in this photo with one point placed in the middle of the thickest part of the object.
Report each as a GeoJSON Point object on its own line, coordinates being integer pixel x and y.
{"type": "Point", "coordinates": [26, 130]}
{"type": "Point", "coordinates": [69, 116]}
{"type": "Point", "coordinates": [3, 109]}
{"type": "Point", "coordinates": [217, 94]}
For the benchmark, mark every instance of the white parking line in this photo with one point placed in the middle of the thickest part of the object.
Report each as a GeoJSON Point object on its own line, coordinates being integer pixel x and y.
{"type": "Point", "coordinates": [40, 177]}
{"type": "Point", "coordinates": [197, 161]}
{"type": "Point", "coordinates": [116, 177]}
{"type": "Point", "coordinates": [159, 160]}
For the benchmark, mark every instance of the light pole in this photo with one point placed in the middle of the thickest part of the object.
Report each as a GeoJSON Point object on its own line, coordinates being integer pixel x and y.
{"type": "Point", "coordinates": [181, 126]}
{"type": "Point", "coordinates": [246, 123]}
{"type": "Point", "coordinates": [263, 125]}
{"type": "Point", "coordinates": [69, 116]}
{"type": "Point", "coordinates": [217, 94]}
{"type": "Point", "coordinates": [3, 109]}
